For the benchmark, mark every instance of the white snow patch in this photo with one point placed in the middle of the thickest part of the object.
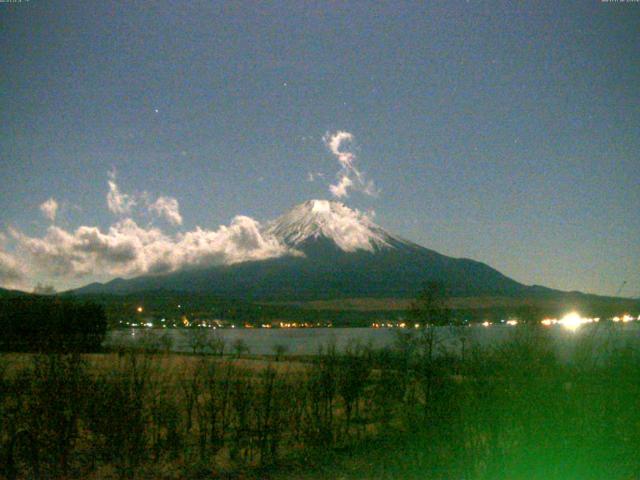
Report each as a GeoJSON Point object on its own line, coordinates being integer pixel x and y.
{"type": "Point", "coordinates": [350, 229]}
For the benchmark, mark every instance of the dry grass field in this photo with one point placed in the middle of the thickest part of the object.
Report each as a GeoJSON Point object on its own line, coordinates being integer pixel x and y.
{"type": "Point", "coordinates": [513, 412]}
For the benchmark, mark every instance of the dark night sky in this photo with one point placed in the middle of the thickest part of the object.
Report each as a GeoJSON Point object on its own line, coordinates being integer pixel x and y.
{"type": "Point", "coordinates": [508, 132]}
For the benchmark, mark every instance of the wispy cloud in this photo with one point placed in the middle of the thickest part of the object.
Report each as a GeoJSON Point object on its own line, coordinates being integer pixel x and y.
{"type": "Point", "coordinates": [334, 143]}
{"type": "Point", "coordinates": [341, 189]}
{"type": "Point", "coordinates": [167, 208]}
{"type": "Point", "coordinates": [123, 204]}
{"type": "Point", "coordinates": [312, 176]}
{"type": "Point", "coordinates": [119, 203]}
{"type": "Point", "coordinates": [340, 144]}
{"type": "Point", "coordinates": [50, 209]}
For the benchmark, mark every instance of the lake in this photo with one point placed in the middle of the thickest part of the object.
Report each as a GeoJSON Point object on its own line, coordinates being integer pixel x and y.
{"type": "Point", "coordinates": [308, 341]}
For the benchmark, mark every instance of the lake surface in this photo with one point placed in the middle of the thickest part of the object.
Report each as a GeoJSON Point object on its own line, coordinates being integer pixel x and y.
{"type": "Point", "coordinates": [308, 341]}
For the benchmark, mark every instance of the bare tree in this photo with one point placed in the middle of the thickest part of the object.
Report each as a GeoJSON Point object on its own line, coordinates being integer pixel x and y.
{"type": "Point", "coordinates": [240, 347]}
{"type": "Point", "coordinates": [280, 350]}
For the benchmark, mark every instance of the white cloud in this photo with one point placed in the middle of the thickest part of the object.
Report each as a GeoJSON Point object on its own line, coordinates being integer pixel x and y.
{"type": "Point", "coordinates": [349, 176]}
{"type": "Point", "coordinates": [118, 202]}
{"type": "Point", "coordinates": [341, 188]}
{"type": "Point", "coordinates": [127, 249]}
{"type": "Point", "coordinates": [49, 209]}
{"type": "Point", "coordinates": [335, 141]}
{"type": "Point", "coordinates": [12, 272]}
{"type": "Point", "coordinates": [167, 208]}
{"type": "Point", "coordinates": [122, 204]}
{"type": "Point", "coordinates": [311, 176]}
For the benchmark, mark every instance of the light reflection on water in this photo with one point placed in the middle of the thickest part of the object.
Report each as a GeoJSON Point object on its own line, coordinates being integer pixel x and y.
{"type": "Point", "coordinates": [308, 341]}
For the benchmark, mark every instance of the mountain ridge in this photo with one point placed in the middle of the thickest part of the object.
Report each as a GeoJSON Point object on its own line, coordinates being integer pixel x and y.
{"type": "Point", "coordinates": [333, 253]}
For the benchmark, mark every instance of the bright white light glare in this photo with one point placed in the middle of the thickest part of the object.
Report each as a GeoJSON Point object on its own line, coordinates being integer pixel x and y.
{"type": "Point", "coordinates": [571, 321]}
{"type": "Point", "coordinates": [512, 322]}
{"type": "Point", "coordinates": [485, 324]}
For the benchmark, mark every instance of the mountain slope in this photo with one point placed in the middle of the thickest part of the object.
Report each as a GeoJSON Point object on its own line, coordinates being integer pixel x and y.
{"type": "Point", "coordinates": [335, 252]}
{"type": "Point", "coordinates": [4, 292]}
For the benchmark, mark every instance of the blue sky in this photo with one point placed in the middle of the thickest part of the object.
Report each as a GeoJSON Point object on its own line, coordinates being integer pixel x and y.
{"type": "Point", "coordinates": [501, 131]}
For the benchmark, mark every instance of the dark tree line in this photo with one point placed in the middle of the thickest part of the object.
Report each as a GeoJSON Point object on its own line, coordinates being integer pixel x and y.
{"type": "Point", "coordinates": [50, 324]}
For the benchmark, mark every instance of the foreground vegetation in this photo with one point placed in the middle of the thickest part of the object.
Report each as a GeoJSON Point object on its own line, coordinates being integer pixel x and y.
{"type": "Point", "coordinates": [509, 412]}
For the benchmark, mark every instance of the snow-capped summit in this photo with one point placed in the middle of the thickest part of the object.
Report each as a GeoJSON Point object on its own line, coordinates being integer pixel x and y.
{"type": "Point", "coordinates": [349, 229]}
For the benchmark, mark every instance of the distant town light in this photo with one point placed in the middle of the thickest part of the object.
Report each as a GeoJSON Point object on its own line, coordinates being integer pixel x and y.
{"type": "Point", "coordinates": [571, 321]}
{"type": "Point", "coordinates": [139, 309]}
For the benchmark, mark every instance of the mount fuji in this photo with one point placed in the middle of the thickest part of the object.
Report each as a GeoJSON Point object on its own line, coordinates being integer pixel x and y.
{"type": "Point", "coordinates": [331, 252]}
